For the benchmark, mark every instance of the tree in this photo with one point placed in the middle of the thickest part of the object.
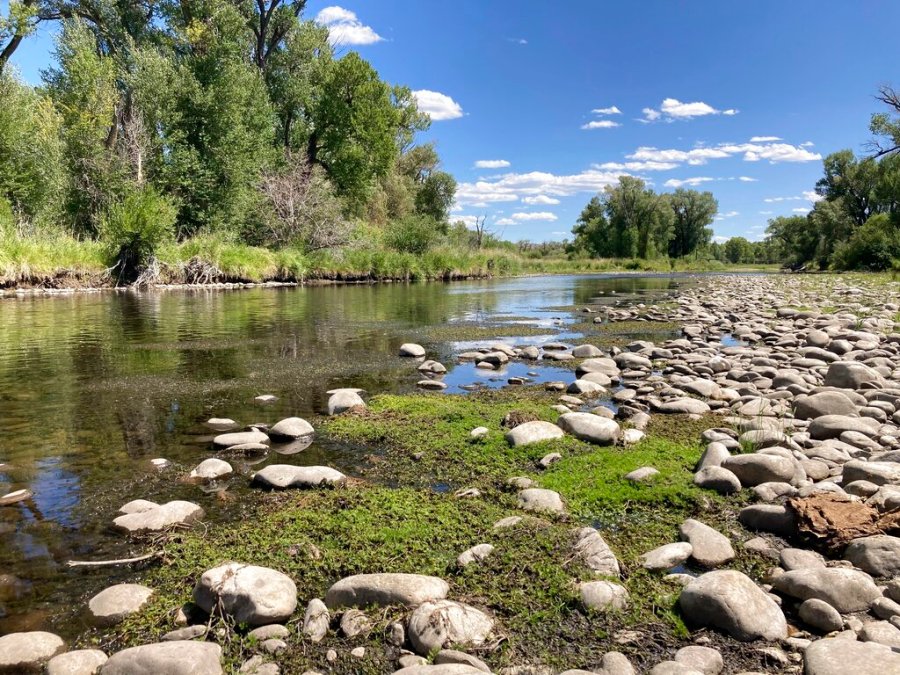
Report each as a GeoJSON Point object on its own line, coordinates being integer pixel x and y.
{"type": "Point", "coordinates": [591, 230]}
{"type": "Point", "coordinates": [641, 220]}
{"type": "Point", "coordinates": [693, 213]}
{"type": "Point", "coordinates": [435, 195]}
{"type": "Point", "coordinates": [798, 241]}
{"type": "Point", "coordinates": [853, 181]}
{"type": "Point", "coordinates": [20, 21]}
{"type": "Point", "coordinates": [738, 250]}
{"type": "Point", "coordinates": [885, 128]}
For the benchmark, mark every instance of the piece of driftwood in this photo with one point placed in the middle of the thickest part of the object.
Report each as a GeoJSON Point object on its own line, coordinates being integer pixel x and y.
{"type": "Point", "coordinates": [109, 563]}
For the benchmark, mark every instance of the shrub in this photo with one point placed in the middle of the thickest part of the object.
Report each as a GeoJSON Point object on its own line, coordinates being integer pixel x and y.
{"type": "Point", "coordinates": [875, 246]}
{"type": "Point", "coordinates": [413, 234]}
{"type": "Point", "coordinates": [135, 227]}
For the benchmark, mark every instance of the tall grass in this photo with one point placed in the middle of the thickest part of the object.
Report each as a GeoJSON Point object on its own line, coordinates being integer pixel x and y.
{"type": "Point", "coordinates": [42, 257]}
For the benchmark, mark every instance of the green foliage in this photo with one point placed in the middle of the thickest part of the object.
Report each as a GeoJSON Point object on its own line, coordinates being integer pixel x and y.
{"type": "Point", "coordinates": [875, 247]}
{"type": "Point", "coordinates": [435, 196]}
{"type": "Point", "coordinates": [737, 249]}
{"type": "Point", "coordinates": [694, 212]}
{"type": "Point", "coordinates": [413, 234]}
{"type": "Point", "coordinates": [136, 227]}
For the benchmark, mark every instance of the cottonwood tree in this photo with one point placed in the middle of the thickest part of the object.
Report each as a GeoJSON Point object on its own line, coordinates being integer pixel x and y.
{"type": "Point", "coordinates": [693, 213]}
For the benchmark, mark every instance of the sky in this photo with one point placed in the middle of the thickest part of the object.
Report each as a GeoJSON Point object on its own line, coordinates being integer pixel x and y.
{"type": "Point", "coordinates": [538, 106]}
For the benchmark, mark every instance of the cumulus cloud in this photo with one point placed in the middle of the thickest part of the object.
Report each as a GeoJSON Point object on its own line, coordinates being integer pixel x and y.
{"type": "Point", "coordinates": [672, 109]}
{"type": "Point", "coordinates": [747, 179]}
{"type": "Point", "coordinates": [806, 196]}
{"type": "Point", "coordinates": [534, 215]}
{"type": "Point", "coordinates": [505, 221]}
{"type": "Point", "coordinates": [801, 210]}
{"type": "Point", "coordinates": [719, 239]}
{"type": "Point", "coordinates": [438, 106]}
{"type": "Point", "coordinates": [540, 199]}
{"type": "Point", "coordinates": [600, 124]}
{"type": "Point", "coordinates": [813, 196]}
{"type": "Point", "coordinates": [764, 139]}
{"type": "Point", "coordinates": [515, 186]}
{"type": "Point", "coordinates": [676, 183]}
{"type": "Point", "coordinates": [491, 164]}
{"type": "Point", "coordinates": [468, 220]}
{"type": "Point", "coordinates": [344, 28]}
{"type": "Point", "coordinates": [611, 110]}
{"type": "Point", "coordinates": [727, 214]}
{"type": "Point", "coordinates": [752, 152]}
{"type": "Point", "coordinates": [635, 166]}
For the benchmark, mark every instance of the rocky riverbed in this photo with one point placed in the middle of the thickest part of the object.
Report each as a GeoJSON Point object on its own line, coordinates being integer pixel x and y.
{"type": "Point", "coordinates": [725, 500]}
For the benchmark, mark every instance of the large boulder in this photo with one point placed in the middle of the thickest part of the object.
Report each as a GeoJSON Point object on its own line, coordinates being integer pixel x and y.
{"type": "Point", "coordinates": [385, 589]}
{"type": "Point", "coordinates": [110, 606]}
{"type": "Point", "coordinates": [28, 652]}
{"type": "Point", "coordinates": [435, 625]}
{"type": "Point", "coordinates": [832, 426]}
{"type": "Point", "coordinates": [589, 427]}
{"type": "Point", "coordinates": [879, 473]}
{"type": "Point", "coordinates": [157, 517]}
{"type": "Point", "coordinates": [79, 662]}
{"type": "Point", "coordinates": [716, 478]}
{"type": "Point", "coordinates": [290, 428]}
{"type": "Point", "coordinates": [823, 403]}
{"type": "Point", "coordinates": [289, 476]}
{"type": "Point", "coordinates": [840, 657]}
{"type": "Point", "coordinates": [845, 590]}
{"type": "Point", "coordinates": [344, 400]}
{"type": "Point", "coordinates": [731, 601]}
{"type": "Point", "coordinates": [179, 657]}
{"type": "Point", "coordinates": [710, 548]}
{"type": "Point", "coordinates": [879, 555]}
{"type": "Point", "coordinates": [247, 593]}
{"type": "Point", "coordinates": [533, 432]}
{"type": "Point", "coordinates": [849, 375]}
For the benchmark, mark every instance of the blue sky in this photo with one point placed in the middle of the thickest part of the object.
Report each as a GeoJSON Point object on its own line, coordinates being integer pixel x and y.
{"type": "Point", "coordinates": [742, 99]}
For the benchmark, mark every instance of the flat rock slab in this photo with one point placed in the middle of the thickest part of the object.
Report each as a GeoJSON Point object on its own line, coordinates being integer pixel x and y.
{"type": "Point", "coordinates": [731, 601]}
{"type": "Point", "coordinates": [249, 594]}
{"type": "Point", "coordinates": [28, 652]}
{"type": "Point", "coordinates": [156, 518]}
{"type": "Point", "coordinates": [240, 438]}
{"type": "Point", "coordinates": [533, 432]}
{"type": "Point", "coordinates": [79, 662]}
{"type": "Point", "coordinates": [180, 657]}
{"type": "Point", "coordinates": [435, 625]}
{"type": "Point", "coordinates": [110, 606]}
{"type": "Point", "coordinates": [363, 590]}
{"type": "Point", "coordinates": [284, 476]}
{"type": "Point", "coordinates": [15, 497]}
{"type": "Point", "coordinates": [840, 657]}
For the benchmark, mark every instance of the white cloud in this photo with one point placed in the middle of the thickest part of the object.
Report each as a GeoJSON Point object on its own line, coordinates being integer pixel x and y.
{"type": "Point", "coordinates": [808, 196]}
{"type": "Point", "coordinates": [728, 214]}
{"type": "Point", "coordinates": [344, 28]}
{"type": "Point", "coordinates": [536, 215]}
{"type": "Point", "coordinates": [438, 106]}
{"type": "Point", "coordinates": [635, 166]}
{"type": "Point", "coordinates": [505, 221]}
{"type": "Point", "coordinates": [540, 199]}
{"type": "Point", "coordinates": [800, 210]}
{"type": "Point", "coordinates": [673, 109]}
{"type": "Point", "coordinates": [813, 196]}
{"type": "Point", "coordinates": [612, 110]}
{"type": "Point", "coordinates": [752, 152]}
{"type": "Point", "coordinates": [600, 124]}
{"type": "Point", "coordinates": [468, 220]}
{"type": "Point", "coordinates": [491, 164]}
{"type": "Point", "coordinates": [518, 41]}
{"type": "Point", "coordinates": [766, 213]}
{"type": "Point", "coordinates": [764, 139]}
{"type": "Point", "coordinates": [747, 179]}
{"type": "Point", "coordinates": [807, 144]}
{"type": "Point", "coordinates": [676, 183]}
{"type": "Point", "coordinates": [719, 239]}
{"type": "Point", "coordinates": [515, 186]}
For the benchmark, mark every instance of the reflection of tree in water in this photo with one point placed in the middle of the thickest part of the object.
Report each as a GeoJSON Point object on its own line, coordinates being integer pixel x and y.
{"type": "Point", "coordinates": [139, 423]}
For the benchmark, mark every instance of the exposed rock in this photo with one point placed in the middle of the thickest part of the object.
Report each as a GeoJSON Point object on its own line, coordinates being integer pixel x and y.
{"type": "Point", "coordinates": [844, 589]}
{"type": "Point", "coordinates": [849, 375]}
{"type": "Point", "coordinates": [684, 406]}
{"type": "Point", "coordinates": [28, 652]}
{"type": "Point", "coordinates": [474, 554]}
{"type": "Point", "coordinates": [435, 625]}
{"type": "Point", "coordinates": [447, 656]}
{"type": "Point", "coordinates": [291, 427]}
{"type": "Point", "coordinates": [705, 660]}
{"type": "Point", "coordinates": [354, 622]}
{"type": "Point", "coordinates": [412, 350]}
{"type": "Point", "coordinates": [112, 605]}
{"type": "Point", "coordinates": [710, 548]}
{"type": "Point", "coordinates": [592, 550]}
{"type": "Point", "coordinates": [211, 469]}
{"type": "Point", "coordinates": [820, 615]}
{"type": "Point", "coordinates": [284, 476]}
{"type": "Point", "coordinates": [79, 662]}
{"type": "Point", "coordinates": [774, 518]}
{"type": "Point", "coordinates": [240, 438]}
{"type": "Point", "coordinates": [603, 595]}
{"type": "Point", "coordinates": [247, 593]}
{"type": "Point", "coordinates": [167, 658]}
{"type": "Point", "coordinates": [541, 500]}
{"type": "Point", "coordinates": [643, 475]}
{"type": "Point", "coordinates": [879, 555]}
{"type": "Point", "coordinates": [316, 620]}
{"type": "Point", "coordinates": [667, 556]}
{"type": "Point", "coordinates": [590, 427]}
{"type": "Point", "coordinates": [879, 473]}
{"type": "Point", "coordinates": [533, 432]}
{"type": "Point", "coordinates": [716, 478]}
{"type": "Point", "coordinates": [385, 589]}
{"type": "Point", "coordinates": [823, 403]}
{"type": "Point", "coordinates": [731, 601]}
{"type": "Point", "coordinates": [832, 657]}
{"type": "Point", "coordinates": [757, 468]}
{"type": "Point", "coordinates": [832, 426]}
{"type": "Point", "coordinates": [156, 517]}
{"type": "Point", "coordinates": [342, 401]}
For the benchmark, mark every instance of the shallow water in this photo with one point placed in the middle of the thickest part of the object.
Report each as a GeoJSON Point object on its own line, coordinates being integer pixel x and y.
{"type": "Point", "coordinates": [94, 386]}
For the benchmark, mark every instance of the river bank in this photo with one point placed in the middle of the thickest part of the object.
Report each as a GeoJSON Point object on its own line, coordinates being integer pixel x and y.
{"type": "Point", "coordinates": [563, 518]}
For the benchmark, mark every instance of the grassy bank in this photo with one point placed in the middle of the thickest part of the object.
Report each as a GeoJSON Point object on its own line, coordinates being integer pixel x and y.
{"type": "Point", "coordinates": [401, 514]}
{"type": "Point", "coordinates": [61, 261]}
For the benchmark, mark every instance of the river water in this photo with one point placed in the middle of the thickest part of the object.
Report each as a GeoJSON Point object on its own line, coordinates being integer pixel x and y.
{"type": "Point", "coordinates": [93, 386]}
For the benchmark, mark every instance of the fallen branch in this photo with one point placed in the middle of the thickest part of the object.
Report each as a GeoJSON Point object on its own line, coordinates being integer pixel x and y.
{"type": "Point", "coordinates": [106, 563]}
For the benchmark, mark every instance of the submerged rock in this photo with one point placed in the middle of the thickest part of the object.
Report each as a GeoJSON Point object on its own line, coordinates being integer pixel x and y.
{"type": "Point", "coordinates": [157, 517]}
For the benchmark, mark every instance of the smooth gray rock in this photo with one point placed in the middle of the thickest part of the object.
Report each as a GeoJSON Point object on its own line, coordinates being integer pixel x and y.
{"type": "Point", "coordinates": [316, 620]}
{"type": "Point", "coordinates": [709, 548]}
{"type": "Point", "coordinates": [882, 632]}
{"type": "Point", "coordinates": [447, 656]}
{"type": "Point", "coordinates": [683, 406]}
{"type": "Point", "coordinates": [156, 517]}
{"type": "Point", "coordinates": [773, 518]}
{"type": "Point", "coordinates": [603, 595]}
{"type": "Point", "coordinates": [800, 559]}
{"type": "Point", "coordinates": [823, 403]}
{"type": "Point", "coordinates": [705, 660]}
{"type": "Point", "coordinates": [589, 427]}
{"type": "Point", "coordinates": [412, 350]}
{"type": "Point", "coordinates": [385, 589]}
{"type": "Point", "coordinates": [879, 555]}
{"type": "Point", "coordinates": [849, 375]}
{"type": "Point", "coordinates": [716, 478]}
{"type": "Point", "coordinates": [290, 428]}
{"type": "Point", "coordinates": [28, 652]}
{"type": "Point", "coordinates": [643, 475]}
{"type": "Point", "coordinates": [832, 657]}
{"type": "Point", "coordinates": [533, 432]}
{"type": "Point", "coordinates": [667, 556]}
{"type": "Point", "coordinates": [832, 426]}
{"type": "Point", "coordinates": [439, 669]}
{"type": "Point", "coordinates": [879, 473]}
{"type": "Point", "coordinates": [249, 594]}
{"type": "Point", "coordinates": [111, 605]}
{"type": "Point", "coordinates": [541, 500]}
{"type": "Point", "coordinates": [167, 658]}
{"type": "Point", "coordinates": [757, 468]}
{"type": "Point", "coordinates": [474, 554]}
{"type": "Point", "coordinates": [342, 401]}
{"type": "Point", "coordinates": [441, 623]}
{"type": "Point", "coordinates": [593, 551]}
{"type": "Point", "coordinates": [731, 601]}
{"type": "Point", "coordinates": [240, 438]}
{"type": "Point", "coordinates": [211, 469]}
{"type": "Point", "coordinates": [284, 476]}
{"type": "Point", "coordinates": [79, 662]}
{"type": "Point", "coordinates": [820, 615]}
{"type": "Point", "coordinates": [844, 589]}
